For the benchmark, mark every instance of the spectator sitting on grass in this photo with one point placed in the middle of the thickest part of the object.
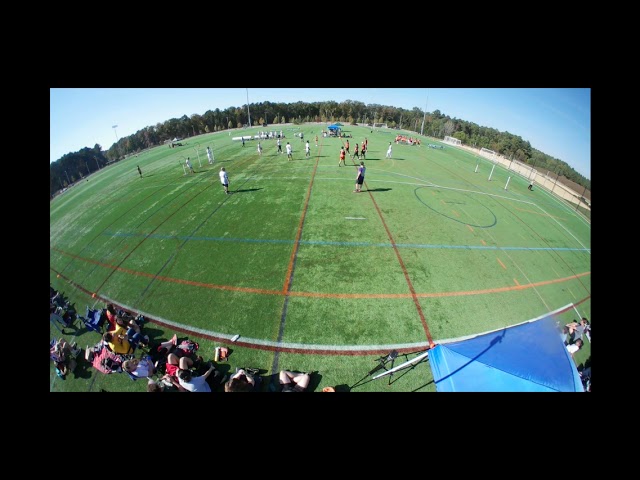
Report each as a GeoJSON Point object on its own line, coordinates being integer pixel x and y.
{"type": "Point", "coordinates": [123, 342]}
{"type": "Point", "coordinates": [244, 380]}
{"type": "Point", "coordinates": [574, 347]}
{"type": "Point", "coordinates": [577, 329]}
{"type": "Point", "coordinates": [202, 383]}
{"type": "Point", "coordinates": [167, 383]}
{"type": "Point", "coordinates": [294, 382]}
{"type": "Point", "coordinates": [140, 368]}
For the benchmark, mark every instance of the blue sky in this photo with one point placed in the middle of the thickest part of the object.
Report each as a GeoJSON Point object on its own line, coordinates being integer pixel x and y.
{"type": "Point", "coordinates": [556, 121]}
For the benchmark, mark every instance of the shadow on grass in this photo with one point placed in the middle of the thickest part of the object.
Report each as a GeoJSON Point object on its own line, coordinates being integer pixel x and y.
{"type": "Point", "coordinates": [377, 190]}
{"type": "Point", "coordinates": [83, 368]}
{"type": "Point", "coordinates": [244, 190]}
{"type": "Point", "coordinates": [271, 383]}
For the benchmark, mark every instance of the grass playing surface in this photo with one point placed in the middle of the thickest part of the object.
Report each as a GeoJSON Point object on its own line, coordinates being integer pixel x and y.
{"type": "Point", "coordinates": [310, 274]}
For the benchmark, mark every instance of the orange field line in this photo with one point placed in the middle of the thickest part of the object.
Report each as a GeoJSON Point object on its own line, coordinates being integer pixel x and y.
{"type": "Point", "coordinates": [501, 264]}
{"type": "Point", "coordinates": [538, 213]}
{"type": "Point", "coordinates": [263, 291]}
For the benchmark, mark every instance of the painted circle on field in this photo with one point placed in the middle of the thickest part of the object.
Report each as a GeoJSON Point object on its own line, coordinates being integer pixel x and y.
{"type": "Point", "coordinates": [461, 207]}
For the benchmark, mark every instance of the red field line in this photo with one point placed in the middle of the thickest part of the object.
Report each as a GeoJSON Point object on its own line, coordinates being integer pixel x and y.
{"type": "Point", "coordinates": [404, 271]}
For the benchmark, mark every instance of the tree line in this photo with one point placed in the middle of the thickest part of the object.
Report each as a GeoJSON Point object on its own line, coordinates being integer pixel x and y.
{"type": "Point", "coordinates": [76, 165]}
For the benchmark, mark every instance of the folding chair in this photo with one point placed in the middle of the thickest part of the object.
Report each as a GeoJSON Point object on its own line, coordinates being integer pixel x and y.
{"type": "Point", "coordinates": [94, 320]}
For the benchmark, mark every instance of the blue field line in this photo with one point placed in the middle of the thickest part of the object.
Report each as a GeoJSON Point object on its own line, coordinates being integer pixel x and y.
{"type": "Point", "coordinates": [345, 244]}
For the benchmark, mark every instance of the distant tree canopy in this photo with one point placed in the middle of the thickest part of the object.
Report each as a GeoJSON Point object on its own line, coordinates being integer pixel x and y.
{"type": "Point", "coordinates": [74, 166]}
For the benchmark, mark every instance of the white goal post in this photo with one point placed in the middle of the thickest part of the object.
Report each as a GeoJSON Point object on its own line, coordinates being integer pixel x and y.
{"type": "Point", "coordinates": [488, 152]}
{"type": "Point", "coordinates": [452, 141]}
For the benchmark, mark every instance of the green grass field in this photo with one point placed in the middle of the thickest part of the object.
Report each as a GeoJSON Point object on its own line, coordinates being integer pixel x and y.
{"type": "Point", "coordinates": [311, 275]}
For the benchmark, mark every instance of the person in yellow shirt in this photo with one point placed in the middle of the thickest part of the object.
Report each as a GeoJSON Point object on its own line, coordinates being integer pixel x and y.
{"type": "Point", "coordinates": [124, 341]}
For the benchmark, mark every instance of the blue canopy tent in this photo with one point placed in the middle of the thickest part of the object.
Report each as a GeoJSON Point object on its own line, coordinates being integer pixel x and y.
{"type": "Point", "coordinates": [530, 357]}
{"type": "Point", "coordinates": [334, 129]}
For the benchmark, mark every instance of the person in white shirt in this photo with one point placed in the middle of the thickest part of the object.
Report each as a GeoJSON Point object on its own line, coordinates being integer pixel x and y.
{"type": "Point", "coordinates": [574, 347]}
{"type": "Point", "coordinates": [210, 155]}
{"type": "Point", "coordinates": [389, 151]}
{"type": "Point", "coordinates": [307, 149]}
{"type": "Point", "coordinates": [289, 155]}
{"type": "Point", "coordinates": [189, 165]}
{"type": "Point", "coordinates": [259, 149]}
{"type": "Point", "coordinates": [224, 180]}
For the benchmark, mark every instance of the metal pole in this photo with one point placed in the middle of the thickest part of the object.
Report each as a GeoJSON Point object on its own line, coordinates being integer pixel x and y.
{"type": "Point", "coordinates": [88, 171]}
{"type": "Point", "coordinates": [534, 166]}
{"type": "Point", "coordinates": [114, 131]}
{"type": "Point", "coordinates": [395, 369]}
{"type": "Point", "coordinates": [425, 116]}
{"type": "Point", "coordinates": [248, 112]}
{"type": "Point", "coordinates": [580, 200]}
{"type": "Point", "coordinates": [554, 183]}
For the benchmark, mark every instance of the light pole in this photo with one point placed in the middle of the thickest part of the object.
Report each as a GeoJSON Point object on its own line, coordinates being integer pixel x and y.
{"type": "Point", "coordinates": [425, 115]}
{"type": "Point", "coordinates": [114, 131]}
{"type": "Point", "coordinates": [248, 112]}
{"type": "Point", "coordinates": [532, 169]}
